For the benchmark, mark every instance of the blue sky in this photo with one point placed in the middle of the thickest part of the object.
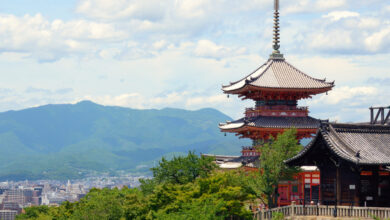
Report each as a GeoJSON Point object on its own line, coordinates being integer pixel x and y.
{"type": "Point", "coordinates": [178, 53]}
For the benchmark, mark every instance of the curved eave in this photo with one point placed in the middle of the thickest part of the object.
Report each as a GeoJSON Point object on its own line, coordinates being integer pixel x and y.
{"type": "Point", "coordinates": [303, 151]}
{"type": "Point", "coordinates": [246, 127]}
{"type": "Point", "coordinates": [249, 87]}
{"type": "Point", "coordinates": [333, 147]}
{"type": "Point", "coordinates": [230, 126]}
{"type": "Point", "coordinates": [248, 77]}
{"type": "Point", "coordinates": [275, 73]}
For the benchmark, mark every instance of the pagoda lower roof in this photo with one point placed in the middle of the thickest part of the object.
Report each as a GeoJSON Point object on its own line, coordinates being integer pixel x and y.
{"type": "Point", "coordinates": [272, 122]}
{"type": "Point", "coordinates": [277, 74]}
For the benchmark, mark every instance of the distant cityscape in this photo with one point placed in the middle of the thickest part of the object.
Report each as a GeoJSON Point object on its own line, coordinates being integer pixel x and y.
{"type": "Point", "coordinates": [16, 195]}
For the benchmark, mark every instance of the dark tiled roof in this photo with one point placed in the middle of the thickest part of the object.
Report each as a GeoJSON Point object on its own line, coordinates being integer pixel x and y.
{"type": "Point", "coordinates": [273, 122]}
{"type": "Point", "coordinates": [370, 142]}
{"type": "Point", "coordinates": [277, 73]}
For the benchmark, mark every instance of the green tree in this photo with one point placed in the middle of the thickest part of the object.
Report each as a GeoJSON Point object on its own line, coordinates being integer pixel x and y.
{"type": "Point", "coordinates": [135, 205]}
{"type": "Point", "coordinates": [206, 209]}
{"type": "Point", "coordinates": [101, 204]}
{"type": "Point", "coordinates": [218, 196]}
{"type": "Point", "coordinates": [33, 212]}
{"type": "Point", "coordinates": [272, 167]}
{"type": "Point", "coordinates": [183, 169]}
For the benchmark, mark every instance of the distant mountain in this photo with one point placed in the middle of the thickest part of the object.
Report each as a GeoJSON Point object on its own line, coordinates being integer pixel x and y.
{"type": "Point", "coordinates": [70, 141]}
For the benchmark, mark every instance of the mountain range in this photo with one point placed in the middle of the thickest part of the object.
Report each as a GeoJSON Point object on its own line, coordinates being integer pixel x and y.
{"type": "Point", "coordinates": [70, 141]}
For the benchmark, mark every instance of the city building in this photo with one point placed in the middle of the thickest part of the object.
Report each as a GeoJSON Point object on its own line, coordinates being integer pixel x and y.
{"type": "Point", "coordinates": [15, 196]}
{"type": "Point", "coordinates": [11, 206]}
{"type": "Point", "coordinates": [7, 214]}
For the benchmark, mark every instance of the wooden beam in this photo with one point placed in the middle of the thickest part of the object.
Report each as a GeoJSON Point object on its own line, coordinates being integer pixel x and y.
{"type": "Point", "coordinates": [376, 117]}
{"type": "Point", "coordinates": [371, 115]}
{"type": "Point", "coordinates": [338, 186]}
{"type": "Point", "coordinates": [382, 110]}
{"type": "Point", "coordinates": [387, 118]}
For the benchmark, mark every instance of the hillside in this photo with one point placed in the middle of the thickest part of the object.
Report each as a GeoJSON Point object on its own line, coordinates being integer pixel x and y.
{"type": "Point", "coordinates": [70, 141]}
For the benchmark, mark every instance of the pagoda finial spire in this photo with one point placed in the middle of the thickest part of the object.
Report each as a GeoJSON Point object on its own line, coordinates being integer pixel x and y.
{"type": "Point", "coordinates": [276, 53]}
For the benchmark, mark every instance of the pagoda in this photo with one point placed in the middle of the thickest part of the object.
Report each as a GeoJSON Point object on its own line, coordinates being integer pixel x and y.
{"type": "Point", "coordinates": [276, 87]}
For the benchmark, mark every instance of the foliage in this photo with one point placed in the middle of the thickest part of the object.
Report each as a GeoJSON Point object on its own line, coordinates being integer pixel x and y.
{"type": "Point", "coordinates": [216, 195]}
{"type": "Point", "coordinates": [181, 170]}
{"type": "Point", "coordinates": [272, 168]}
{"type": "Point", "coordinates": [101, 204]}
{"type": "Point", "coordinates": [199, 192]}
{"type": "Point", "coordinates": [34, 212]}
{"type": "Point", "coordinates": [376, 218]}
{"type": "Point", "coordinates": [207, 209]}
{"type": "Point", "coordinates": [277, 216]}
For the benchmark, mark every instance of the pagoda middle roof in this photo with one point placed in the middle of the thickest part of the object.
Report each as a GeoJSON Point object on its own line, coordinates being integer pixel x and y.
{"type": "Point", "coordinates": [278, 74]}
{"type": "Point", "coordinates": [272, 122]}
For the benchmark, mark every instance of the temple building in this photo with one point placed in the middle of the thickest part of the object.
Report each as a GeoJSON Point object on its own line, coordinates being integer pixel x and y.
{"type": "Point", "coordinates": [353, 160]}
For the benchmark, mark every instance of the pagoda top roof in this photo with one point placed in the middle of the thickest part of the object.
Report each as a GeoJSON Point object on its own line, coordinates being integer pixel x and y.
{"type": "Point", "coordinates": [277, 73]}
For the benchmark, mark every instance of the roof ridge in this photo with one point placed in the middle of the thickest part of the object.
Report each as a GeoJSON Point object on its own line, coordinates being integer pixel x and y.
{"type": "Point", "coordinates": [362, 127]}
{"type": "Point", "coordinates": [265, 70]}
{"type": "Point", "coordinates": [231, 83]}
{"type": "Point", "coordinates": [340, 140]}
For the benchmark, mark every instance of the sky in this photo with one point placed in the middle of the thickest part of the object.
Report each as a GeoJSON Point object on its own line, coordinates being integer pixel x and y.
{"type": "Point", "coordinates": [178, 53]}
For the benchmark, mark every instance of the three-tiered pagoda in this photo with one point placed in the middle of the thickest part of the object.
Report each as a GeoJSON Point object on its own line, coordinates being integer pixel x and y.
{"type": "Point", "coordinates": [276, 87]}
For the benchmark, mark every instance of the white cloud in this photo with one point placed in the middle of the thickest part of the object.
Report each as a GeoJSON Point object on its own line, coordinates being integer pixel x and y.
{"type": "Point", "coordinates": [15, 99]}
{"type": "Point", "coordinates": [154, 10]}
{"type": "Point", "coordinates": [209, 49]}
{"type": "Point", "coordinates": [133, 100]}
{"type": "Point", "coordinates": [329, 4]}
{"type": "Point", "coordinates": [172, 19]}
{"type": "Point", "coordinates": [378, 41]}
{"type": "Point", "coordinates": [154, 25]}
{"type": "Point", "coordinates": [121, 9]}
{"type": "Point", "coordinates": [184, 99]}
{"type": "Point", "coordinates": [345, 93]}
{"type": "Point", "coordinates": [206, 100]}
{"type": "Point", "coordinates": [337, 15]}
{"type": "Point", "coordinates": [163, 25]}
{"type": "Point", "coordinates": [192, 9]}
{"type": "Point", "coordinates": [46, 41]}
{"type": "Point", "coordinates": [161, 44]}
{"type": "Point", "coordinates": [300, 6]}
{"type": "Point", "coordinates": [347, 32]}
{"type": "Point", "coordinates": [82, 29]}
{"type": "Point", "coordinates": [333, 40]}
{"type": "Point", "coordinates": [347, 104]}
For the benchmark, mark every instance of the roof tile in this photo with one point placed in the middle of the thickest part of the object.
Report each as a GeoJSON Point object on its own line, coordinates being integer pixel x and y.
{"type": "Point", "coordinates": [370, 142]}
{"type": "Point", "coordinates": [277, 73]}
